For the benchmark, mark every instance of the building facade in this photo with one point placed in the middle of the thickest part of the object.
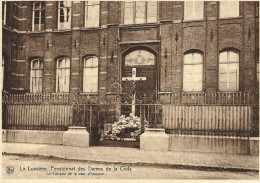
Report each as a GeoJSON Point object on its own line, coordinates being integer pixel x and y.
{"type": "Point", "coordinates": [54, 47]}
{"type": "Point", "coordinates": [86, 48]}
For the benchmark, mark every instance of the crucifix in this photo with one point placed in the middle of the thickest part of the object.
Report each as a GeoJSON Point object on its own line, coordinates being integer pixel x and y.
{"type": "Point", "coordinates": [133, 79]}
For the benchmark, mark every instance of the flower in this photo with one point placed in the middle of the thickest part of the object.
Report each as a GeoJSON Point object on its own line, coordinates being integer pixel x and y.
{"type": "Point", "coordinates": [125, 127]}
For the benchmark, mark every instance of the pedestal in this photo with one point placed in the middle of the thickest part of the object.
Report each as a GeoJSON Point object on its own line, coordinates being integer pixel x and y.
{"type": "Point", "coordinates": [76, 136]}
{"type": "Point", "coordinates": [254, 146]}
{"type": "Point", "coordinates": [154, 139]}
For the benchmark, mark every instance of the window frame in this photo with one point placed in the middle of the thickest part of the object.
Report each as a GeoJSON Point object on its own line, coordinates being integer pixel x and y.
{"type": "Point", "coordinates": [202, 71]}
{"type": "Point", "coordinates": [193, 19]}
{"type": "Point", "coordinates": [64, 69]}
{"type": "Point", "coordinates": [40, 16]}
{"type": "Point", "coordinates": [134, 12]}
{"type": "Point", "coordinates": [228, 71]}
{"type": "Point", "coordinates": [226, 17]}
{"type": "Point", "coordinates": [85, 59]}
{"type": "Point", "coordinates": [70, 16]}
{"type": "Point", "coordinates": [39, 68]}
{"type": "Point", "coordinates": [86, 14]}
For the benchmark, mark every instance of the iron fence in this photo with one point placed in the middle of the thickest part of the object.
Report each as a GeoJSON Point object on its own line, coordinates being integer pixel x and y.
{"type": "Point", "coordinates": [233, 114]}
{"type": "Point", "coordinates": [219, 98]}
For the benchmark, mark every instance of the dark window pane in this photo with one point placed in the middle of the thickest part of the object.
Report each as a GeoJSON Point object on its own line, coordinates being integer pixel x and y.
{"type": "Point", "coordinates": [36, 20]}
{"type": "Point", "coordinates": [42, 16]}
{"type": "Point", "coordinates": [43, 5]}
{"type": "Point", "coordinates": [68, 11]}
{"type": "Point", "coordinates": [37, 14]}
{"type": "Point", "coordinates": [61, 15]}
{"type": "Point", "coordinates": [42, 20]}
{"type": "Point", "coordinates": [37, 6]}
{"type": "Point", "coordinates": [61, 18]}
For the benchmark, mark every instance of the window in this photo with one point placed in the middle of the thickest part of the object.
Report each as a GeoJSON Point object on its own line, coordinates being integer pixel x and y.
{"type": "Point", "coordinates": [63, 75]}
{"type": "Point", "coordinates": [36, 76]}
{"type": "Point", "coordinates": [139, 57]}
{"type": "Point", "coordinates": [4, 12]}
{"type": "Point", "coordinates": [140, 12]}
{"type": "Point", "coordinates": [64, 18]}
{"type": "Point", "coordinates": [193, 10]}
{"type": "Point", "coordinates": [228, 71]}
{"type": "Point", "coordinates": [92, 13]}
{"type": "Point", "coordinates": [90, 74]}
{"type": "Point", "coordinates": [38, 16]}
{"type": "Point", "coordinates": [228, 9]}
{"type": "Point", "coordinates": [192, 72]}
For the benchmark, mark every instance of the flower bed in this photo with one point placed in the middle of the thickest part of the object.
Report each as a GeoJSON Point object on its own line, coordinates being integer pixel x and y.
{"type": "Point", "coordinates": [126, 127]}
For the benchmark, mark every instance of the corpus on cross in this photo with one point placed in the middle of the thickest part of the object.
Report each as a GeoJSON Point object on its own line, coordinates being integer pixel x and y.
{"type": "Point", "coordinates": [133, 79]}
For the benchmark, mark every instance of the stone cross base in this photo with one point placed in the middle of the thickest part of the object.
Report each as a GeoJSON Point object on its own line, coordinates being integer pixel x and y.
{"type": "Point", "coordinates": [76, 136]}
{"type": "Point", "coordinates": [154, 139]}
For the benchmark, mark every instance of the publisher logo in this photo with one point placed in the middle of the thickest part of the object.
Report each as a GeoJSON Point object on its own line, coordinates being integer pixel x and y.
{"type": "Point", "coordinates": [9, 170]}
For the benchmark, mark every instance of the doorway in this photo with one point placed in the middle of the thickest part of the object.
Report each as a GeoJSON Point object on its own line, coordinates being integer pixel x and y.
{"type": "Point", "coordinates": [126, 132]}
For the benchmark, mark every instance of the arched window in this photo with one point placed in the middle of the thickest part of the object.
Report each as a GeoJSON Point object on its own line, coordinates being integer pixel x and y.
{"type": "Point", "coordinates": [193, 10]}
{"type": "Point", "coordinates": [63, 75]}
{"type": "Point", "coordinates": [38, 16]}
{"type": "Point", "coordinates": [228, 9]}
{"type": "Point", "coordinates": [138, 12]}
{"type": "Point", "coordinates": [90, 74]}
{"type": "Point", "coordinates": [229, 71]}
{"type": "Point", "coordinates": [64, 15]}
{"type": "Point", "coordinates": [92, 13]}
{"type": "Point", "coordinates": [139, 57]}
{"type": "Point", "coordinates": [192, 72]}
{"type": "Point", "coordinates": [36, 75]}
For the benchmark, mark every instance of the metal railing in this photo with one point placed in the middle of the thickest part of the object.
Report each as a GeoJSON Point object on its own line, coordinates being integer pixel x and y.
{"type": "Point", "coordinates": [232, 114]}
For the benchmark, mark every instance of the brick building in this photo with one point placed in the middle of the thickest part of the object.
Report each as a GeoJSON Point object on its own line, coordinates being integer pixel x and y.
{"type": "Point", "coordinates": [106, 32]}
{"type": "Point", "coordinates": [85, 47]}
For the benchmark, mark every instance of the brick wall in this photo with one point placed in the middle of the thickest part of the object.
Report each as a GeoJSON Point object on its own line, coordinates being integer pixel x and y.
{"type": "Point", "coordinates": [174, 36]}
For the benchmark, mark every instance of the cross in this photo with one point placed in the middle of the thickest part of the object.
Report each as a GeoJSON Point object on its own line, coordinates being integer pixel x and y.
{"type": "Point", "coordinates": [133, 79]}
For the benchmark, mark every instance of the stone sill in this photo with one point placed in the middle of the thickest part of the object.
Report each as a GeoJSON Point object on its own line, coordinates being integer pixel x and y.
{"type": "Point", "coordinates": [142, 25]}
{"type": "Point", "coordinates": [90, 28]}
{"type": "Point", "coordinates": [199, 20]}
{"type": "Point", "coordinates": [230, 18]}
{"type": "Point", "coordinates": [94, 93]}
{"type": "Point", "coordinates": [139, 42]}
{"type": "Point", "coordinates": [229, 92]}
{"type": "Point", "coordinates": [184, 93]}
{"type": "Point", "coordinates": [164, 93]}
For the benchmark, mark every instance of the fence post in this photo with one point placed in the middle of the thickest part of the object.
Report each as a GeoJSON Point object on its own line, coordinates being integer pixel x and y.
{"type": "Point", "coordinates": [4, 116]}
{"type": "Point", "coordinates": [142, 113]}
{"type": "Point", "coordinates": [255, 115]}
